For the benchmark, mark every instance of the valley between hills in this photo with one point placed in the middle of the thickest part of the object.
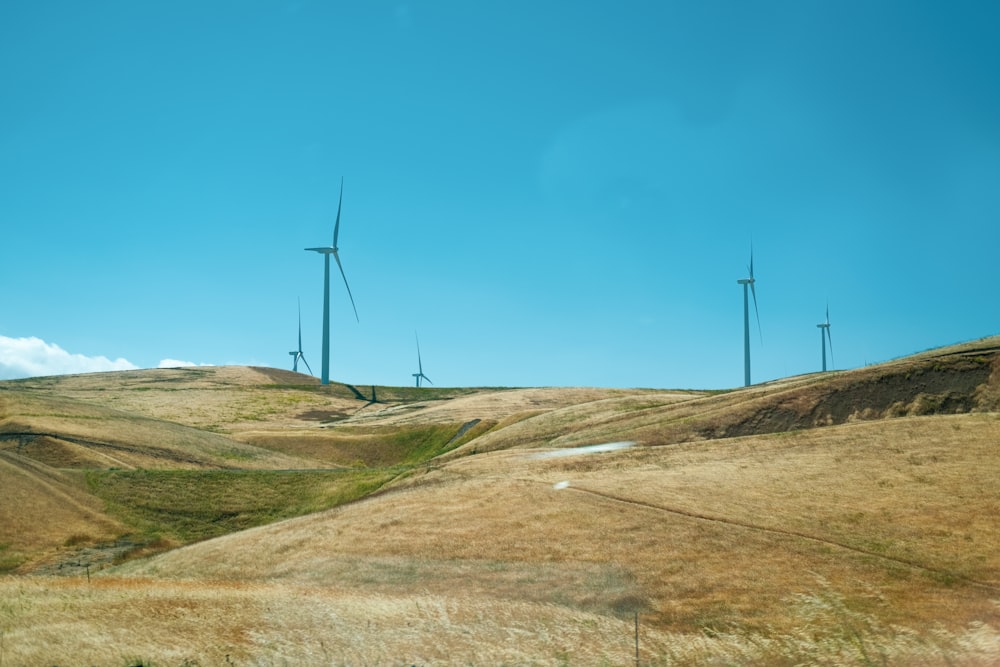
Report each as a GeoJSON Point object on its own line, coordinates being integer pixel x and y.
{"type": "Point", "coordinates": [250, 516]}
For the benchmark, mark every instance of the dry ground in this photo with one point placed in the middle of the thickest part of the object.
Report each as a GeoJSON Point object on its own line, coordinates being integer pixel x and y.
{"type": "Point", "coordinates": [846, 518]}
{"type": "Point", "coordinates": [110, 621]}
{"type": "Point", "coordinates": [899, 515]}
{"type": "Point", "coordinates": [868, 543]}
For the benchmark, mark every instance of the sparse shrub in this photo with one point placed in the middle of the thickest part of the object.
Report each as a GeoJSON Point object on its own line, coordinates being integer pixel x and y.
{"type": "Point", "coordinates": [897, 409]}
{"type": "Point", "coordinates": [78, 539]}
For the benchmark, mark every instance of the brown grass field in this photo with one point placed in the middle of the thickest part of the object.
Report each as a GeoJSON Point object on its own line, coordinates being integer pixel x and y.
{"type": "Point", "coordinates": [849, 518]}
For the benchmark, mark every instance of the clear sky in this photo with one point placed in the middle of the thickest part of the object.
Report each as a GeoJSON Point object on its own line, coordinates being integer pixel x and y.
{"type": "Point", "coordinates": [549, 193]}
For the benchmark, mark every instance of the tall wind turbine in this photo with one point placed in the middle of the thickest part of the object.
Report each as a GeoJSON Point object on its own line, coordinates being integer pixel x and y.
{"type": "Point", "coordinates": [326, 252]}
{"type": "Point", "coordinates": [297, 354]}
{"type": "Point", "coordinates": [420, 366]}
{"type": "Point", "coordinates": [824, 335]}
{"type": "Point", "coordinates": [746, 318]}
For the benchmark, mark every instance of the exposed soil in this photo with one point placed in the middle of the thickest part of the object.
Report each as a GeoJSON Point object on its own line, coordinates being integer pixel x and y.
{"type": "Point", "coordinates": [949, 384]}
{"type": "Point", "coordinates": [323, 415]}
{"type": "Point", "coordinates": [84, 560]}
{"type": "Point", "coordinates": [465, 429]}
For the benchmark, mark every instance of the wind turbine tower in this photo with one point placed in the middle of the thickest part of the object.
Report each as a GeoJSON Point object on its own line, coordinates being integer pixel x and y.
{"type": "Point", "coordinates": [748, 282]}
{"type": "Point", "coordinates": [326, 252]}
{"type": "Point", "coordinates": [420, 366]}
{"type": "Point", "coordinates": [297, 354]}
{"type": "Point", "coordinates": [824, 336]}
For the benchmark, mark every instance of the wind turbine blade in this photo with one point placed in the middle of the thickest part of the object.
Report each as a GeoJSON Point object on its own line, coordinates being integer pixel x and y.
{"type": "Point", "coordinates": [426, 378]}
{"type": "Point", "coordinates": [420, 364]}
{"type": "Point", "coordinates": [751, 261]}
{"type": "Point", "coordinates": [336, 227]}
{"type": "Point", "coordinates": [753, 291]}
{"type": "Point", "coordinates": [344, 275]}
{"type": "Point", "coordinates": [306, 363]}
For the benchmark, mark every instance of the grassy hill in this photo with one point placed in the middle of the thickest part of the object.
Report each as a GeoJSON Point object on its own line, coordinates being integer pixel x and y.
{"type": "Point", "coordinates": [839, 518]}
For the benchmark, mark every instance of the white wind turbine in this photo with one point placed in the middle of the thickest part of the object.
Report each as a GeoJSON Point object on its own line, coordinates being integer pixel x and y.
{"type": "Point", "coordinates": [748, 282]}
{"type": "Point", "coordinates": [297, 354]}
{"type": "Point", "coordinates": [420, 366]}
{"type": "Point", "coordinates": [326, 252]}
{"type": "Point", "coordinates": [824, 336]}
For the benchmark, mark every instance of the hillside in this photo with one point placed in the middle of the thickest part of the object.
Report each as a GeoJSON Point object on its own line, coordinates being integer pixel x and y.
{"type": "Point", "coordinates": [839, 518]}
{"type": "Point", "coordinates": [43, 510]}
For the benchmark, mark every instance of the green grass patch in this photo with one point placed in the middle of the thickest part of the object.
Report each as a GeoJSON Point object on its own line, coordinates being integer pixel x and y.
{"type": "Point", "coordinates": [422, 444]}
{"type": "Point", "coordinates": [371, 447]}
{"type": "Point", "coordinates": [193, 505]}
{"type": "Point", "coordinates": [9, 561]}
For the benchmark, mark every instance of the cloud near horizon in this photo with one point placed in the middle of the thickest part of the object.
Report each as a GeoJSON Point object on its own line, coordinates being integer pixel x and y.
{"type": "Point", "coordinates": [33, 357]}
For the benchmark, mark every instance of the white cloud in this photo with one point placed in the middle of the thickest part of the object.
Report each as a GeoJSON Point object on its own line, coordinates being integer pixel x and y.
{"type": "Point", "coordinates": [176, 363]}
{"type": "Point", "coordinates": [33, 357]}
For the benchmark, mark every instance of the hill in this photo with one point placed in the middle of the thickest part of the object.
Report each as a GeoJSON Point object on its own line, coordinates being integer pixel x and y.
{"type": "Point", "coordinates": [44, 510]}
{"type": "Point", "coordinates": [839, 518]}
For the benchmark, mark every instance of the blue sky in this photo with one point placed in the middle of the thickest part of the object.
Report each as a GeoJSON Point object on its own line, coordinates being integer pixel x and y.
{"type": "Point", "coordinates": [558, 193]}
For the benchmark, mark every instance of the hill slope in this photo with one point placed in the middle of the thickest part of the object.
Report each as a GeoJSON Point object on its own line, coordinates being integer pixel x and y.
{"type": "Point", "coordinates": [843, 518]}
{"type": "Point", "coordinates": [694, 536]}
{"type": "Point", "coordinates": [43, 510]}
{"type": "Point", "coordinates": [67, 433]}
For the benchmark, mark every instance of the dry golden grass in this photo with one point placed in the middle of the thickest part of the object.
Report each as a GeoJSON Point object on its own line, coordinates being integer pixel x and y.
{"type": "Point", "coordinates": [65, 432]}
{"type": "Point", "coordinates": [224, 399]}
{"type": "Point", "coordinates": [872, 540]}
{"type": "Point", "coordinates": [108, 621]}
{"type": "Point", "coordinates": [495, 405]}
{"type": "Point", "coordinates": [234, 399]}
{"type": "Point", "coordinates": [899, 517]}
{"type": "Point", "coordinates": [42, 510]}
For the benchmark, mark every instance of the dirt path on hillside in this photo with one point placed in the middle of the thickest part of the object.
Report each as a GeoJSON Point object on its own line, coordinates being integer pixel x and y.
{"type": "Point", "coordinates": [787, 533]}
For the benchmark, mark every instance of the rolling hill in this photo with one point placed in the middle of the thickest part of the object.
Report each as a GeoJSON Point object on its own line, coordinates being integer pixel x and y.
{"type": "Point", "coordinates": [838, 518]}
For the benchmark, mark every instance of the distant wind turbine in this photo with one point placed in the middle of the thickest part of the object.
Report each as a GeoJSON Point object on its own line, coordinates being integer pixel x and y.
{"type": "Point", "coordinates": [326, 252]}
{"type": "Point", "coordinates": [746, 318]}
{"type": "Point", "coordinates": [824, 336]}
{"type": "Point", "coordinates": [297, 354]}
{"type": "Point", "coordinates": [420, 366]}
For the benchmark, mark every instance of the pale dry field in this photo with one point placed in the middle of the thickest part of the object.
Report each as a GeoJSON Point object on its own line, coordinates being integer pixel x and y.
{"type": "Point", "coordinates": [498, 405]}
{"type": "Point", "coordinates": [733, 529]}
{"type": "Point", "coordinates": [221, 399]}
{"type": "Point", "coordinates": [42, 510]}
{"type": "Point", "coordinates": [895, 522]}
{"type": "Point", "coordinates": [110, 621]}
{"type": "Point", "coordinates": [85, 432]}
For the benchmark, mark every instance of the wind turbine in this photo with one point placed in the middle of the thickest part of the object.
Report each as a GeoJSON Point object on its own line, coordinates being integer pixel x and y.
{"type": "Point", "coordinates": [297, 354]}
{"type": "Point", "coordinates": [746, 318]}
{"type": "Point", "coordinates": [326, 252]}
{"type": "Point", "coordinates": [824, 335]}
{"type": "Point", "coordinates": [420, 366]}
